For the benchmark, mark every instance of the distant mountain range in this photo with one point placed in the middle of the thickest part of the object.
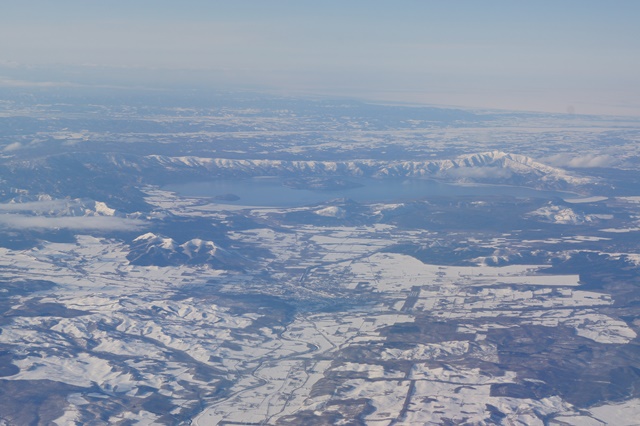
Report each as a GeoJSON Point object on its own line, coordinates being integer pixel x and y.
{"type": "Point", "coordinates": [117, 178]}
{"type": "Point", "coordinates": [485, 167]}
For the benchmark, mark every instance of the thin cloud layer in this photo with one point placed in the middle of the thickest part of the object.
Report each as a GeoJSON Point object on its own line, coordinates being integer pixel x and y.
{"type": "Point", "coordinates": [36, 207]}
{"type": "Point", "coordinates": [12, 147]}
{"type": "Point", "coordinates": [84, 223]}
{"type": "Point", "coordinates": [581, 161]}
{"type": "Point", "coordinates": [479, 173]}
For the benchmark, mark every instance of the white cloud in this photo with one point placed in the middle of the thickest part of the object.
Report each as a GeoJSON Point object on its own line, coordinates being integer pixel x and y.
{"type": "Point", "coordinates": [100, 223]}
{"type": "Point", "coordinates": [12, 147]}
{"type": "Point", "coordinates": [479, 173]}
{"type": "Point", "coordinates": [579, 161]}
{"type": "Point", "coordinates": [34, 206]}
{"type": "Point", "coordinates": [10, 82]}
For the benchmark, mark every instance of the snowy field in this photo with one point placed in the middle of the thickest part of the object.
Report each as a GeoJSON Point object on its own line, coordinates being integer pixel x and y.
{"type": "Point", "coordinates": [436, 310]}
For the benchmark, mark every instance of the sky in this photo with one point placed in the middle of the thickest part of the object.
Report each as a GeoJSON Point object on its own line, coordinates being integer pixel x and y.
{"type": "Point", "coordinates": [557, 56]}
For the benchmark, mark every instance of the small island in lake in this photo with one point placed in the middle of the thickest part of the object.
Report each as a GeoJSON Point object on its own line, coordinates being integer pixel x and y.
{"type": "Point", "coordinates": [320, 183]}
{"type": "Point", "coordinates": [226, 197]}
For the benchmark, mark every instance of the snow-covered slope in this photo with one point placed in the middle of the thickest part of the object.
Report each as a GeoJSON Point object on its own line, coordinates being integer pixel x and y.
{"type": "Point", "coordinates": [332, 211]}
{"type": "Point", "coordinates": [489, 167]}
{"type": "Point", "coordinates": [494, 165]}
{"type": "Point", "coordinates": [153, 249]}
{"type": "Point", "coordinates": [562, 215]}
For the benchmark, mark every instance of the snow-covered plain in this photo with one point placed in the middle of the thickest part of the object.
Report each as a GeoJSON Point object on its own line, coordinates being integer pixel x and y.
{"type": "Point", "coordinates": [336, 320]}
{"type": "Point", "coordinates": [129, 318]}
{"type": "Point", "coordinates": [286, 362]}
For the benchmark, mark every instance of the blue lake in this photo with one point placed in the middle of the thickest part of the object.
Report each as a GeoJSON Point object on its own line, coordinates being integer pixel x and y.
{"type": "Point", "coordinates": [271, 191]}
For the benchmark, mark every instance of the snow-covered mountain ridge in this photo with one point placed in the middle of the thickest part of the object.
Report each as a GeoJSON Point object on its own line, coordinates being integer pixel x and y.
{"type": "Point", "coordinates": [97, 175]}
{"type": "Point", "coordinates": [493, 166]}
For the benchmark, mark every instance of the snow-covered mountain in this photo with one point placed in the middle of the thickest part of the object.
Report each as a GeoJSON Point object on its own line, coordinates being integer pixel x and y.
{"type": "Point", "coordinates": [485, 167]}
{"type": "Point", "coordinates": [116, 178]}
{"type": "Point", "coordinates": [153, 249]}
{"type": "Point", "coordinates": [332, 211]}
{"type": "Point", "coordinates": [561, 215]}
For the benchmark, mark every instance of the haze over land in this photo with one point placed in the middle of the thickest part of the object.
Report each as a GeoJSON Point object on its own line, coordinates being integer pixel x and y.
{"type": "Point", "coordinates": [570, 56]}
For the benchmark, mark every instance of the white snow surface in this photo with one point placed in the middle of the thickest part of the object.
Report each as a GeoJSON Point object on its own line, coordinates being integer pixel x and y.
{"type": "Point", "coordinates": [562, 215]}
{"type": "Point", "coordinates": [332, 211]}
{"type": "Point", "coordinates": [489, 165]}
{"type": "Point", "coordinates": [273, 370]}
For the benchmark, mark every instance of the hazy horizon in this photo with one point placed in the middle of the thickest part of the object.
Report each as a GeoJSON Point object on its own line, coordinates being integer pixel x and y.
{"type": "Point", "coordinates": [553, 57]}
